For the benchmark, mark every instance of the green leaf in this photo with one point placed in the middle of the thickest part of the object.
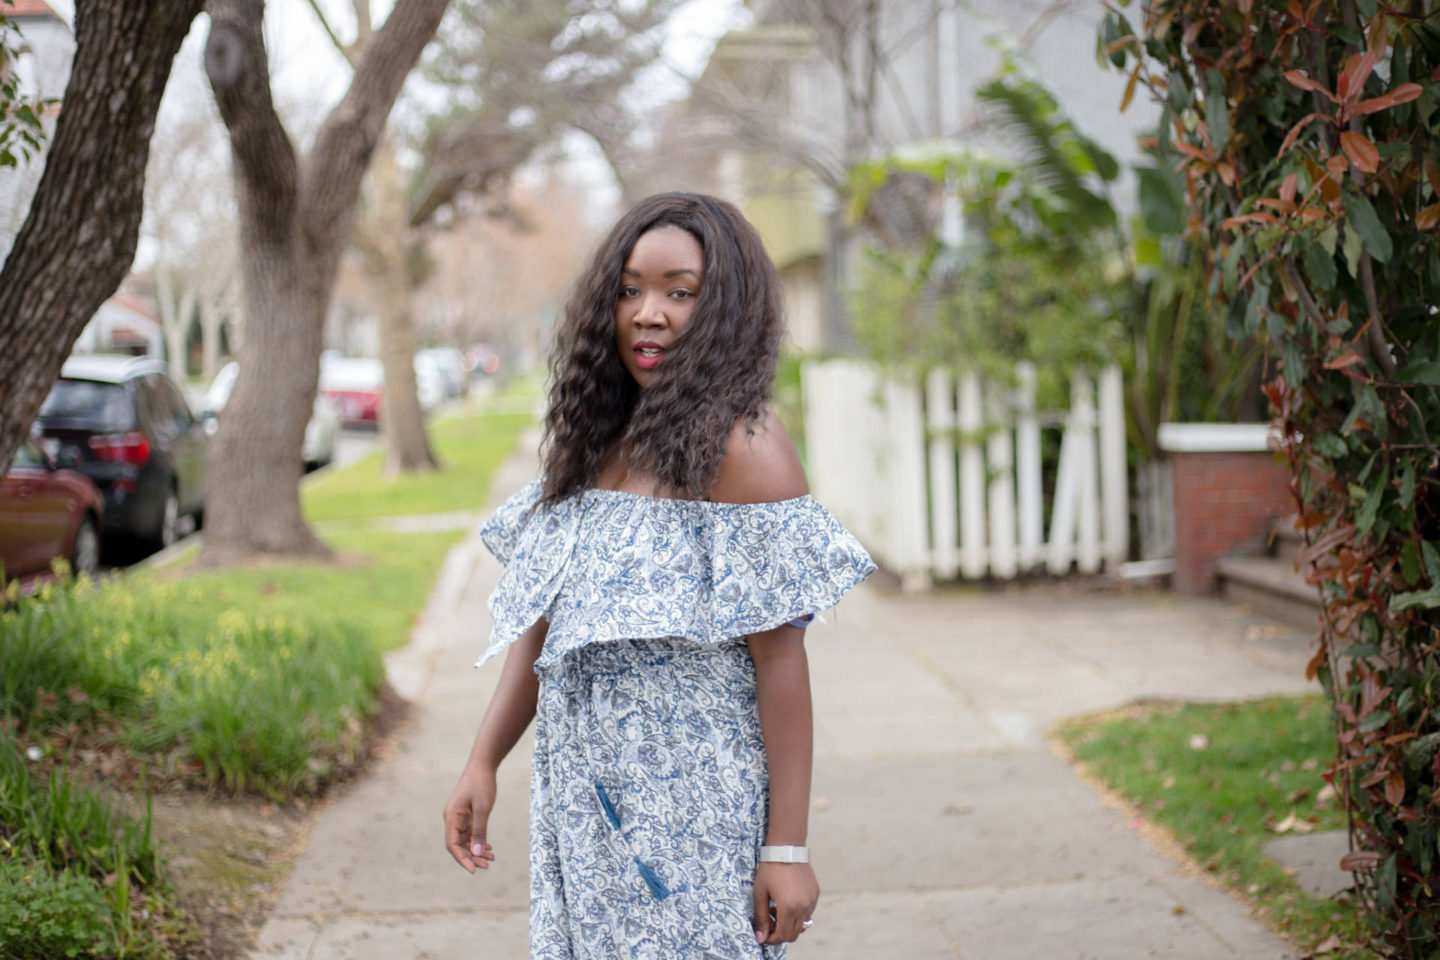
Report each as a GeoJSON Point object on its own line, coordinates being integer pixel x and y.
{"type": "Point", "coordinates": [1410, 567]}
{"type": "Point", "coordinates": [1351, 248]}
{"type": "Point", "coordinates": [1179, 93]}
{"type": "Point", "coordinates": [1326, 238]}
{"type": "Point", "coordinates": [1360, 214]}
{"type": "Point", "coordinates": [1255, 309]}
{"type": "Point", "coordinates": [1366, 8]}
{"type": "Point", "coordinates": [1431, 554]}
{"type": "Point", "coordinates": [1370, 509]}
{"type": "Point", "coordinates": [1147, 252]}
{"type": "Point", "coordinates": [1359, 650]}
{"type": "Point", "coordinates": [1161, 204]}
{"type": "Point", "coordinates": [1375, 721]}
{"type": "Point", "coordinates": [1407, 485]}
{"type": "Point", "coordinates": [1423, 372]}
{"type": "Point", "coordinates": [1331, 445]}
{"type": "Point", "coordinates": [1424, 599]}
{"type": "Point", "coordinates": [1217, 111]}
{"type": "Point", "coordinates": [1320, 266]}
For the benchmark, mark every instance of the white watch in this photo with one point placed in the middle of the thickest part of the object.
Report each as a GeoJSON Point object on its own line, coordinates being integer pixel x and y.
{"type": "Point", "coordinates": [784, 854]}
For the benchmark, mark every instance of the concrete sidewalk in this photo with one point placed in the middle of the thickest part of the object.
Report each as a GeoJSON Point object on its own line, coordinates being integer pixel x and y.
{"type": "Point", "coordinates": [943, 826]}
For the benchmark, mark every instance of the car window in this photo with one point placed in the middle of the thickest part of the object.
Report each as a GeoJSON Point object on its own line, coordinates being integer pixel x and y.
{"type": "Point", "coordinates": [97, 406]}
{"type": "Point", "coordinates": [154, 413]}
{"type": "Point", "coordinates": [29, 455]}
{"type": "Point", "coordinates": [175, 404]}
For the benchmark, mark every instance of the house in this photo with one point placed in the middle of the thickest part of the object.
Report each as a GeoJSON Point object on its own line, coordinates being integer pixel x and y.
{"type": "Point", "coordinates": [784, 125]}
{"type": "Point", "coordinates": [42, 66]}
{"type": "Point", "coordinates": [126, 323]}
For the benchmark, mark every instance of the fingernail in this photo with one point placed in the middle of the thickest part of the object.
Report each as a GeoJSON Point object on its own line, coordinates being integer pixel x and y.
{"type": "Point", "coordinates": [759, 936]}
{"type": "Point", "coordinates": [476, 849]}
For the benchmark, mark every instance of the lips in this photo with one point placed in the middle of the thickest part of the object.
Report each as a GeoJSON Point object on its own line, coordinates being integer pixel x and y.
{"type": "Point", "coordinates": [648, 355]}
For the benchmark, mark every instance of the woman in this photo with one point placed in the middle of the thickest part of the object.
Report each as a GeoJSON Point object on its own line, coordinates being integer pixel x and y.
{"type": "Point", "coordinates": [658, 580]}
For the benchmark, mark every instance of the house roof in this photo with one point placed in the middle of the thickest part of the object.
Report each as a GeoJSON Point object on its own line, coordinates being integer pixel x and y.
{"type": "Point", "coordinates": [32, 8]}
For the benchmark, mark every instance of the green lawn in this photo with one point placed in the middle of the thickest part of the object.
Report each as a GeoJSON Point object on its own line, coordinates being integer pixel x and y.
{"type": "Point", "coordinates": [470, 445]}
{"type": "Point", "coordinates": [379, 582]}
{"type": "Point", "coordinates": [1219, 777]}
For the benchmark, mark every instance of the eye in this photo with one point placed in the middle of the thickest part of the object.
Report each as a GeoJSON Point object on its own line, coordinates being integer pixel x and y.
{"type": "Point", "coordinates": [681, 294]}
{"type": "Point", "coordinates": [629, 292]}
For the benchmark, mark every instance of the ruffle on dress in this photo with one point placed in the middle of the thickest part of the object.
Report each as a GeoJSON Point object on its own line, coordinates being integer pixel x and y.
{"type": "Point", "coordinates": [607, 565]}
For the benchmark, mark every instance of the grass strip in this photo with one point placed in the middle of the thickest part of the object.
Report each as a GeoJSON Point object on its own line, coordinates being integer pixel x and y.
{"type": "Point", "coordinates": [469, 445]}
{"type": "Point", "coordinates": [1220, 777]}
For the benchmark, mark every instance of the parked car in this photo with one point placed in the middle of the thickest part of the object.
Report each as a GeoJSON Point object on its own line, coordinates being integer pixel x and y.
{"type": "Point", "coordinates": [451, 364]}
{"type": "Point", "coordinates": [354, 385]}
{"type": "Point", "coordinates": [124, 424]}
{"type": "Point", "coordinates": [319, 447]}
{"type": "Point", "coordinates": [47, 513]}
{"type": "Point", "coordinates": [430, 386]}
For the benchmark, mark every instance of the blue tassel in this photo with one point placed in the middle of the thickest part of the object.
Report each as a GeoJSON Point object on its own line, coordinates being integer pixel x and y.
{"type": "Point", "coordinates": [652, 880]}
{"type": "Point", "coordinates": [608, 807]}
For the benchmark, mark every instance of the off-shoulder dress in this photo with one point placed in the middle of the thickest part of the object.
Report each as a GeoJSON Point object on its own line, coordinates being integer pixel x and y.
{"type": "Point", "coordinates": [648, 791]}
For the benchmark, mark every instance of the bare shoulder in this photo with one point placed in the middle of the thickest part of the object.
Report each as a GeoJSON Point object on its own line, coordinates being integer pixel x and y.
{"type": "Point", "coordinates": [760, 464]}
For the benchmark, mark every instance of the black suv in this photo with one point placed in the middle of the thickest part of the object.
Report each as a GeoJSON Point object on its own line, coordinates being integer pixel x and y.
{"type": "Point", "coordinates": [123, 423]}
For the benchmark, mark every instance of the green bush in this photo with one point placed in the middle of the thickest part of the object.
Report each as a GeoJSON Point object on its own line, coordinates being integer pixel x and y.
{"type": "Point", "coordinates": [241, 702]}
{"type": "Point", "coordinates": [45, 914]}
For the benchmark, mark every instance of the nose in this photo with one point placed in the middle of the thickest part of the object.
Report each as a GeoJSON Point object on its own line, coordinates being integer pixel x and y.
{"type": "Point", "coordinates": [651, 312]}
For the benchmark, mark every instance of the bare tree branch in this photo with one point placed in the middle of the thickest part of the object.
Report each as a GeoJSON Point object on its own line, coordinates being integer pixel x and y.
{"type": "Point", "coordinates": [346, 50]}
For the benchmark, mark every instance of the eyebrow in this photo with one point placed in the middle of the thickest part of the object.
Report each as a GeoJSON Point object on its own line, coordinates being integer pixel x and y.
{"type": "Point", "coordinates": [667, 274]}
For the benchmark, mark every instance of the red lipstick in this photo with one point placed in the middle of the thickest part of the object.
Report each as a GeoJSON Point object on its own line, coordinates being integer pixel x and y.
{"type": "Point", "coordinates": [648, 355]}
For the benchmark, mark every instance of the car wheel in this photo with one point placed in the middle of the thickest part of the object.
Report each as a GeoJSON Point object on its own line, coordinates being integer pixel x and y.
{"type": "Point", "coordinates": [85, 557]}
{"type": "Point", "coordinates": [169, 521]}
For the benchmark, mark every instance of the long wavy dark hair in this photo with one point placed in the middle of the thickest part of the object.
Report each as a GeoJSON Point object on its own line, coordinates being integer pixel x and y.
{"type": "Point", "coordinates": [719, 369]}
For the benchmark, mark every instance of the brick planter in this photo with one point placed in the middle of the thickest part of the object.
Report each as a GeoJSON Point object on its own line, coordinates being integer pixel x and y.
{"type": "Point", "coordinates": [1228, 491]}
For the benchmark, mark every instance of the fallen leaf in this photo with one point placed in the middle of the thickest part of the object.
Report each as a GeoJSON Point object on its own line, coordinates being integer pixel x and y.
{"type": "Point", "coordinates": [1293, 824]}
{"type": "Point", "coordinates": [1329, 945]}
{"type": "Point", "coordinates": [1199, 741]}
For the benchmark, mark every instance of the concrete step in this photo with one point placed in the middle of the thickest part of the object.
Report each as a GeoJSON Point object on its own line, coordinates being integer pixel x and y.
{"type": "Point", "coordinates": [1272, 586]}
{"type": "Point", "coordinates": [1287, 541]}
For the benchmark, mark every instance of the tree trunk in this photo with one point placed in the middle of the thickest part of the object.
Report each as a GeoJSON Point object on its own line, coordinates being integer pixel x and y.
{"type": "Point", "coordinates": [212, 317]}
{"type": "Point", "coordinates": [294, 222]}
{"type": "Point", "coordinates": [79, 238]}
{"type": "Point", "coordinates": [177, 310]}
{"type": "Point", "coordinates": [407, 444]}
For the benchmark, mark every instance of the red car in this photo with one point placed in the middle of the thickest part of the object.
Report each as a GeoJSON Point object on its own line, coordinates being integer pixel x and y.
{"type": "Point", "coordinates": [46, 513]}
{"type": "Point", "coordinates": [355, 385]}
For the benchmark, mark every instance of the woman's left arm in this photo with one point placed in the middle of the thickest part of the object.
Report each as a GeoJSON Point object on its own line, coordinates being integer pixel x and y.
{"type": "Point", "coordinates": [782, 679]}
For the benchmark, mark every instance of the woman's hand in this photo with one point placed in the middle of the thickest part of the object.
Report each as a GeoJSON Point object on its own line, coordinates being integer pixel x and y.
{"type": "Point", "coordinates": [466, 815]}
{"type": "Point", "coordinates": [793, 890]}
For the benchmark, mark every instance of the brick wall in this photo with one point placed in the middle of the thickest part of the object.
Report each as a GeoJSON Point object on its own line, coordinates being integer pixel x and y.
{"type": "Point", "coordinates": [1223, 501]}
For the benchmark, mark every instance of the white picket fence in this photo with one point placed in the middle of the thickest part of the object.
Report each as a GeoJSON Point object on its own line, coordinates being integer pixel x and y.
{"type": "Point", "coordinates": [944, 479]}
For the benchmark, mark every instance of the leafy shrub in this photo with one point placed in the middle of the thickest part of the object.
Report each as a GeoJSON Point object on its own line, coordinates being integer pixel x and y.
{"type": "Point", "coordinates": [238, 702]}
{"type": "Point", "coordinates": [1306, 140]}
{"type": "Point", "coordinates": [47, 914]}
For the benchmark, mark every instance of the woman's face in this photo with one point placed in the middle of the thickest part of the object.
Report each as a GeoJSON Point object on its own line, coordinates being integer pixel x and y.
{"type": "Point", "coordinates": [661, 280]}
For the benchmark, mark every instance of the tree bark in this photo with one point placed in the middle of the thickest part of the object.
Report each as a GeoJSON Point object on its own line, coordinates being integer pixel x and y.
{"type": "Point", "coordinates": [295, 220]}
{"type": "Point", "coordinates": [79, 238]}
{"type": "Point", "coordinates": [407, 443]}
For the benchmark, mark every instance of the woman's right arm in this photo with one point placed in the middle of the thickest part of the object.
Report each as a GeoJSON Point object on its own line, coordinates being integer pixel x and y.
{"type": "Point", "coordinates": [510, 711]}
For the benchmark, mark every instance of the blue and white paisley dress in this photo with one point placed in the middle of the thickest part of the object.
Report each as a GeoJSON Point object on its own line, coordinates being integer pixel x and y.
{"type": "Point", "coordinates": [649, 786]}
